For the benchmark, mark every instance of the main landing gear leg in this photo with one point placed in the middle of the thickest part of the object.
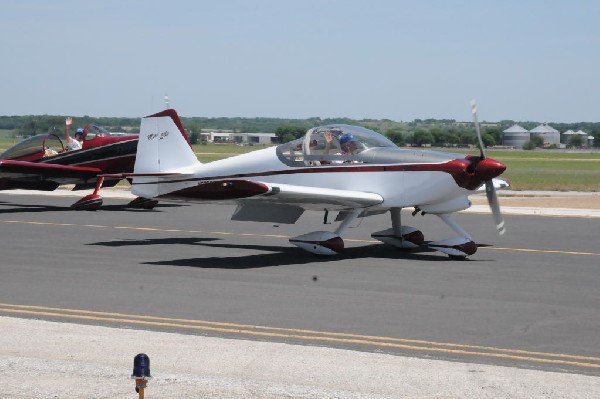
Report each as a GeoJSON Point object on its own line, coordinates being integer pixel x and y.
{"type": "Point", "coordinates": [458, 247]}
{"type": "Point", "coordinates": [402, 237]}
{"type": "Point", "coordinates": [348, 220]}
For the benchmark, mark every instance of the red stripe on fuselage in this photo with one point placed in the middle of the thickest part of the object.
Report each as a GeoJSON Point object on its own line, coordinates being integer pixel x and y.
{"type": "Point", "coordinates": [457, 168]}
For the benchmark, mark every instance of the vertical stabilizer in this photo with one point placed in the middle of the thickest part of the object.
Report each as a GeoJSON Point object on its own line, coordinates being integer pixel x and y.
{"type": "Point", "coordinates": [163, 145]}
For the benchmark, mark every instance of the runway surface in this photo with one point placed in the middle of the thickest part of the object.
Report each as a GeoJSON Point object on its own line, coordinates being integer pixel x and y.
{"type": "Point", "coordinates": [529, 299]}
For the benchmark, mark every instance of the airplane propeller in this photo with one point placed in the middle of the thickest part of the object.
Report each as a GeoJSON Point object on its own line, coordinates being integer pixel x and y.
{"type": "Point", "coordinates": [490, 191]}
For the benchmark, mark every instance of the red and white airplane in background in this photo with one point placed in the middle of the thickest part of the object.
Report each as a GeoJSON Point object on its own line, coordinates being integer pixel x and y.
{"type": "Point", "coordinates": [321, 172]}
{"type": "Point", "coordinates": [42, 162]}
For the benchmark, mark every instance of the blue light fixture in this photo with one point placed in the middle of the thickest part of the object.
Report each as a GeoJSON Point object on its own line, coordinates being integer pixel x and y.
{"type": "Point", "coordinates": [141, 366]}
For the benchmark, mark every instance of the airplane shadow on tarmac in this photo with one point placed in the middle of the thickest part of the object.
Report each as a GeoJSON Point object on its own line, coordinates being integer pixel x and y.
{"type": "Point", "coordinates": [284, 256]}
{"type": "Point", "coordinates": [277, 256]}
{"type": "Point", "coordinates": [20, 208]}
{"type": "Point", "coordinates": [39, 208]}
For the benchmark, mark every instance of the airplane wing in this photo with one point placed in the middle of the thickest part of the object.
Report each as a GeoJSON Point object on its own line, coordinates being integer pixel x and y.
{"type": "Point", "coordinates": [23, 170]}
{"type": "Point", "coordinates": [274, 202]}
{"type": "Point", "coordinates": [315, 198]}
{"type": "Point", "coordinates": [285, 203]}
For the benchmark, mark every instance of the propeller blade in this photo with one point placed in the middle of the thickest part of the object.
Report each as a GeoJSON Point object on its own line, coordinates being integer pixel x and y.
{"type": "Point", "coordinates": [490, 193]}
{"type": "Point", "coordinates": [476, 123]}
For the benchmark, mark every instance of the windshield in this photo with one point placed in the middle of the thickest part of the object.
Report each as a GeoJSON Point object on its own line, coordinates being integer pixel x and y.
{"type": "Point", "coordinates": [92, 131]}
{"type": "Point", "coordinates": [33, 145]}
{"type": "Point", "coordinates": [332, 144]}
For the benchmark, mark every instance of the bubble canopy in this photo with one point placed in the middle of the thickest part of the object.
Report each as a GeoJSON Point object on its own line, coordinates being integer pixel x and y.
{"type": "Point", "coordinates": [333, 144]}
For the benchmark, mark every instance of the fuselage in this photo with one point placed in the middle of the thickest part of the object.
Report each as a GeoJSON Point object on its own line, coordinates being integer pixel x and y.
{"type": "Point", "coordinates": [107, 154]}
{"type": "Point", "coordinates": [343, 161]}
{"type": "Point", "coordinates": [99, 151]}
{"type": "Point", "coordinates": [392, 173]}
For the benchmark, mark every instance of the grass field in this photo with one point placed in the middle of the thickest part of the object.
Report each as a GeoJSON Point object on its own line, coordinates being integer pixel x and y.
{"type": "Point", "coordinates": [550, 170]}
{"type": "Point", "coordinates": [526, 170]}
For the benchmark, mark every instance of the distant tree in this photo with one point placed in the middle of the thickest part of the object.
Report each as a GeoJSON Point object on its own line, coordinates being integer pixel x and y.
{"type": "Point", "coordinates": [495, 133]}
{"type": "Point", "coordinates": [528, 145]}
{"type": "Point", "coordinates": [193, 131]}
{"type": "Point", "coordinates": [443, 137]}
{"type": "Point", "coordinates": [467, 138]}
{"type": "Point", "coordinates": [422, 137]}
{"type": "Point", "coordinates": [488, 140]}
{"type": "Point", "coordinates": [533, 143]}
{"type": "Point", "coordinates": [575, 141]}
{"type": "Point", "coordinates": [194, 137]}
{"type": "Point", "coordinates": [396, 136]}
{"type": "Point", "coordinates": [289, 133]}
{"type": "Point", "coordinates": [33, 125]}
{"type": "Point", "coordinates": [537, 141]}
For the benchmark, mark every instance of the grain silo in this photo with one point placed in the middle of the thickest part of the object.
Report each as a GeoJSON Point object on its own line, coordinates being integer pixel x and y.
{"type": "Point", "coordinates": [515, 136]}
{"type": "Point", "coordinates": [550, 135]}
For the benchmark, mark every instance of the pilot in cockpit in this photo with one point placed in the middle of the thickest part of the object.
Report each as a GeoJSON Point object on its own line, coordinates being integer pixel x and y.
{"type": "Point", "coordinates": [348, 144]}
{"type": "Point", "coordinates": [73, 143]}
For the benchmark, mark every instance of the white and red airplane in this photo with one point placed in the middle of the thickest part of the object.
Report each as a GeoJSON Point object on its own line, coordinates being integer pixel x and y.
{"type": "Point", "coordinates": [348, 169]}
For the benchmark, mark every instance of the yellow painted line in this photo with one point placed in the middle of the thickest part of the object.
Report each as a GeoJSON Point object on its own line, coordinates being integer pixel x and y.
{"type": "Point", "coordinates": [274, 332]}
{"type": "Point", "coordinates": [145, 229]}
{"type": "Point", "coordinates": [548, 251]}
{"type": "Point", "coordinates": [546, 215]}
{"type": "Point", "coordinates": [550, 159]}
{"type": "Point", "coordinates": [225, 233]}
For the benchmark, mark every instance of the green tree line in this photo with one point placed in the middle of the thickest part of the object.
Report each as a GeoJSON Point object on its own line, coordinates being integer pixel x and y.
{"type": "Point", "coordinates": [419, 132]}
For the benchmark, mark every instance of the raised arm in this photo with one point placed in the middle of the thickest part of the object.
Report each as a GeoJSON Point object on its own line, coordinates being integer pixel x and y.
{"type": "Point", "coordinates": [68, 123]}
{"type": "Point", "coordinates": [328, 139]}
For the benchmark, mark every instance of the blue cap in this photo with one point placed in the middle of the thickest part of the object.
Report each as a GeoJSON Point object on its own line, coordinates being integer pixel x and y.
{"type": "Point", "coordinates": [346, 137]}
{"type": "Point", "coordinates": [79, 130]}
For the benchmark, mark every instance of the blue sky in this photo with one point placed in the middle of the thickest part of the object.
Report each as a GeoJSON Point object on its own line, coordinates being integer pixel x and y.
{"type": "Point", "coordinates": [400, 60]}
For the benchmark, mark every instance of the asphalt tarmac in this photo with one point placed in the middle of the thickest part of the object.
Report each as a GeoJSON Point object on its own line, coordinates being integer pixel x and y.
{"type": "Point", "coordinates": [527, 300]}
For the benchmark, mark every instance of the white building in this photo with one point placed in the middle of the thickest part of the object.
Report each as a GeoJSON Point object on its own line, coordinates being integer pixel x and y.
{"type": "Point", "coordinates": [255, 138]}
{"type": "Point", "coordinates": [227, 136]}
